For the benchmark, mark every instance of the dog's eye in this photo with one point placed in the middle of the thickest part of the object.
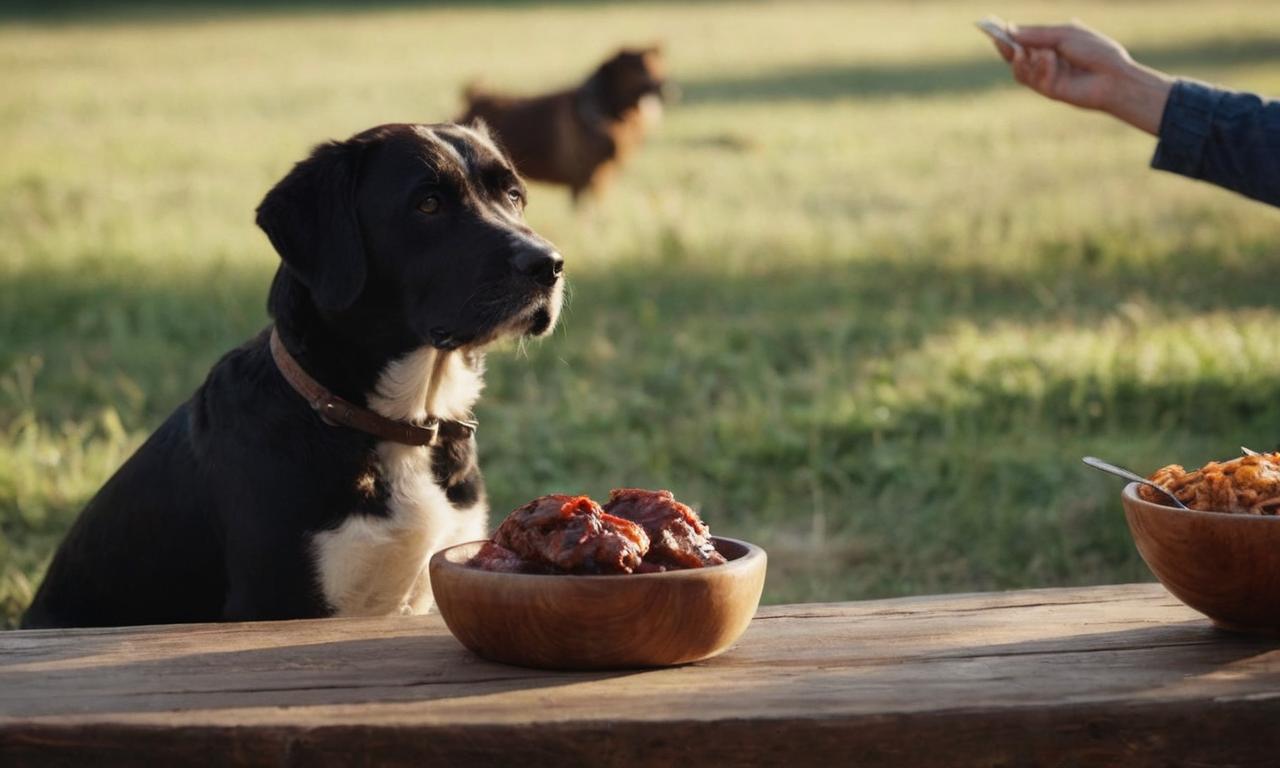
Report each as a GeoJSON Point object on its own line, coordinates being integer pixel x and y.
{"type": "Point", "coordinates": [515, 195]}
{"type": "Point", "coordinates": [429, 204]}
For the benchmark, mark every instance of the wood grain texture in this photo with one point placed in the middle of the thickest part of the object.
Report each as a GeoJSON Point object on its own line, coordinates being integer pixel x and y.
{"type": "Point", "coordinates": [1227, 566]}
{"type": "Point", "coordinates": [599, 622]}
{"type": "Point", "coordinates": [1106, 675]}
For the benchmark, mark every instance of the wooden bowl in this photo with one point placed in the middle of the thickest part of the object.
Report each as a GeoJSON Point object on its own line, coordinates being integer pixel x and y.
{"type": "Point", "coordinates": [1226, 566]}
{"type": "Point", "coordinates": [599, 622]}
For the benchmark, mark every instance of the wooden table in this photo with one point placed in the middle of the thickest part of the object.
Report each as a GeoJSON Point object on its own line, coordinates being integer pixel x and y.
{"type": "Point", "coordinates": [1100, 676]}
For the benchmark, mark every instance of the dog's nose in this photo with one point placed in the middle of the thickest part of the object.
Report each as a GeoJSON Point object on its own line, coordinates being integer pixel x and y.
{"type": "Point", "coordinates": [541, 264]}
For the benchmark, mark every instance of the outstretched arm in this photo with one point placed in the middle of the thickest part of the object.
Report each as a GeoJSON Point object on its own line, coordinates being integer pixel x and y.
{"type": "Point", "coordinates": [1073, 64]}
{"type": "Point", "coordinates": [1226, 138]}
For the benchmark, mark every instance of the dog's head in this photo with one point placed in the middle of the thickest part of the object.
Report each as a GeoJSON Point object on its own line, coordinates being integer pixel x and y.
{"type": "Point", "coordinates": [630, 76]}
{"type": "Point", "coordinates": [416, 232]}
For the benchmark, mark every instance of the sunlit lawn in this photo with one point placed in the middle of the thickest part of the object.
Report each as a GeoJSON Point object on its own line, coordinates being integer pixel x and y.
{"type": "Point", "coordinates": [859, 300]}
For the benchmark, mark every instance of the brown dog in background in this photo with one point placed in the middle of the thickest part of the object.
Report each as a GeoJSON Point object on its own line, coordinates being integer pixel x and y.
{"type": "Point", "coordinates": [578, 137]}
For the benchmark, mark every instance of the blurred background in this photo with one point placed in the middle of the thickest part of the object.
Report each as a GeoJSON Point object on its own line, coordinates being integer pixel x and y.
{"type": "Point", "coordinates": [858, 299]}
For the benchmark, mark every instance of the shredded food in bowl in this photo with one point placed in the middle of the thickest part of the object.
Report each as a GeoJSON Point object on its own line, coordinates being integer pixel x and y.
{"type": "Point", "coordinates": [1248, 485]}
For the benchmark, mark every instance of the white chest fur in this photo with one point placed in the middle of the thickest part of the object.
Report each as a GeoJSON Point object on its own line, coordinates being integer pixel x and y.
{"type": "Point", "coordinates": [650, 110]}
{"type": "Point", "coordinates": [373, 566]}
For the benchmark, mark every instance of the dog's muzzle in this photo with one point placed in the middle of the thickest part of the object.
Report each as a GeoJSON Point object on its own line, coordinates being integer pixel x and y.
{"type": "Point", "coordinates": [542, 265]}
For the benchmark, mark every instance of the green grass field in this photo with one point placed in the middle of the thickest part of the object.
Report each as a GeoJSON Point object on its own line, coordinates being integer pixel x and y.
{"type": "Point", "coordinates": [860, 299]}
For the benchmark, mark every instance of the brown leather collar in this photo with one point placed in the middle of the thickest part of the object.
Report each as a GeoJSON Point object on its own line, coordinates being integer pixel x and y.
{"type": "Point", "coordinates": [335, 411]}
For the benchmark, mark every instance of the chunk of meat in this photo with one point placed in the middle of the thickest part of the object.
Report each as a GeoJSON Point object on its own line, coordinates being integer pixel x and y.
{"type": "Point", "coordinates": [677, 536]}
{"type": "Point", "coordinates": [572, 534]}
{"type": "Point", "coordinates": [493, 557]}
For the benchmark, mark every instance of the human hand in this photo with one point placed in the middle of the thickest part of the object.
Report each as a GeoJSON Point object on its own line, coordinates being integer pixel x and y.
{"type": "Point", "coordinates": [1070, 63]}
{"type": "Point", "coordinates": [1076, 65]}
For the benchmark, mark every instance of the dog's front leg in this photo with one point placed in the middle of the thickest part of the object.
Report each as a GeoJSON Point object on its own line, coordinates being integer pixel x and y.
{"type": "Point", "coordinates": [271, 577]}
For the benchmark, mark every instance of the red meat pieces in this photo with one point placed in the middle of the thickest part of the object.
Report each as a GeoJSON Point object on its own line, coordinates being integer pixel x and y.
{"type": "Point", "coordinates": [677, 536]}
{"type": "Point", "coordinates": [573, 535]}
{"type": "Point", "coordinates": [493, 557]}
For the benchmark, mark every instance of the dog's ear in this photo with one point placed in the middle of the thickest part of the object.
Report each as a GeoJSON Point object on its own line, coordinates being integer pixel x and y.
{"type": "Point", "coordinates": [310, 218]}
{"type": "Point", "coordinates": [480, 126]}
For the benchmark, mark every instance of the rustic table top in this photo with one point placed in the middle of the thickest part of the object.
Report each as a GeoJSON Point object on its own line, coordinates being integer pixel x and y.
{"type": "Point", "coordinates": [1103, 675]}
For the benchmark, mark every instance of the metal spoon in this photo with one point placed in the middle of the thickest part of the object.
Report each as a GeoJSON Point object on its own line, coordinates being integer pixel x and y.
{"type": "Point", "coordinates": [1097, 463]}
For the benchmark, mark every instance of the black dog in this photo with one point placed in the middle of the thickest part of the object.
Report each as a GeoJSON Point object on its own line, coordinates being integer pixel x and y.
{"type": "Point", "coordinates": [404, 253]}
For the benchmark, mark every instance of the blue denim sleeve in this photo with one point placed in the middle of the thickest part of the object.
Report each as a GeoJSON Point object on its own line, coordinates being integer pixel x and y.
{"type": "Point", "coordinates": [1225, 138]}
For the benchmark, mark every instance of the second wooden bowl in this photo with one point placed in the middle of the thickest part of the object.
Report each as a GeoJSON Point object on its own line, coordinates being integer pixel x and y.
{"type": "Point", "coordinates": [599, 622]}
{"type": "Point", "coordinates": [1226, 566]}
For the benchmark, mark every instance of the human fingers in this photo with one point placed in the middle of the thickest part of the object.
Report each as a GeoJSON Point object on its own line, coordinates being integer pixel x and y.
{"type": "Point", "coordinates": [1044, 70]}
{"type": "Point", "coordinates": [1022, 66]}
{"type": "Point", "coordinates": [1044, 36]}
